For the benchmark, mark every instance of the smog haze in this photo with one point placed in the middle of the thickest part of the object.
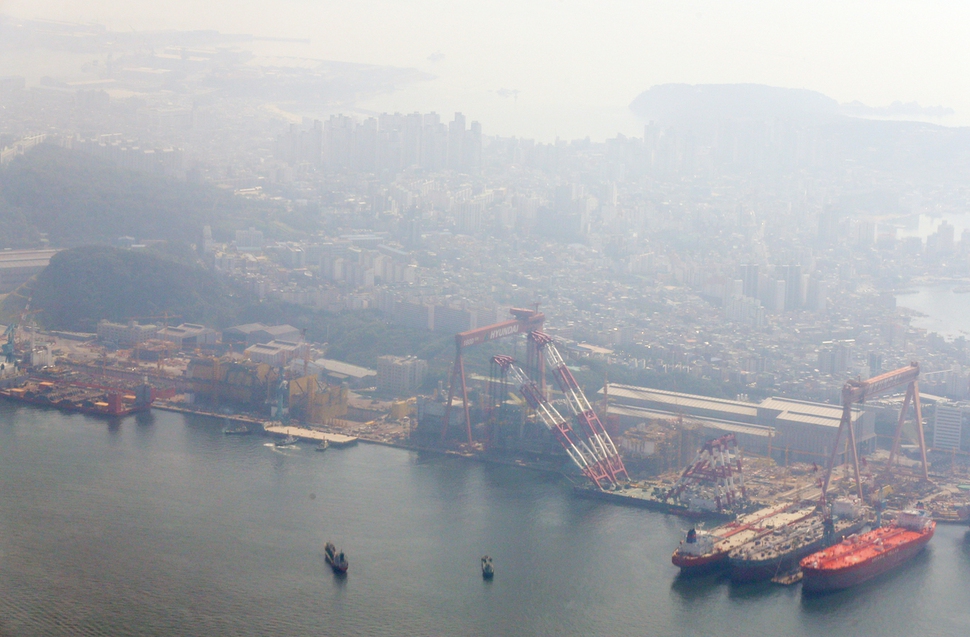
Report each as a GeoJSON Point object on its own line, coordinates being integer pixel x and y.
{"type": "Point", "coordinates": [569, 69]}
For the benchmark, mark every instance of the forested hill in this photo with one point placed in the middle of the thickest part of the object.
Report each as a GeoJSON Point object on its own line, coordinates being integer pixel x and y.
{"type": "Point", "coordinates": [76, 199]}
{"type": "Point", "coordinates": [83, 285]}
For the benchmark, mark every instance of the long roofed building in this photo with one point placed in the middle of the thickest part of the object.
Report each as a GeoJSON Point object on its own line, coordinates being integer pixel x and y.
{"type": "Point", "coordinates": [805, 429]}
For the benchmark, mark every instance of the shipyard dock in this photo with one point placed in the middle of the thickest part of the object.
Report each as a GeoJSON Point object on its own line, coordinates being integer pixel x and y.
{"type": "Point", "coordinates": [302, 433]}
{"type": "Point", "coordinates": [273, 428]}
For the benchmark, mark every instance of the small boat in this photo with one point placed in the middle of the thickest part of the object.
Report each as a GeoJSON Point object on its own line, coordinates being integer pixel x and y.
{"type": "Point", "coordinates": [235, 430]}
{"type": "Point", "coordinates": [287, 442]}
{"type": "Point", "coordinates": [323, 446]}
{"type": "Point", "coordinates": [487, 571]}
{"type": "Point", "coordinates": [337, 561]}
{"type": "Point", "coordinates": [788, 579]}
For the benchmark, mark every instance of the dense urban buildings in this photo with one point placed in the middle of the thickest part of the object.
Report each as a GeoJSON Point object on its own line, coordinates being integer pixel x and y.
{"type": "Point", "coordinates": [716, 253]}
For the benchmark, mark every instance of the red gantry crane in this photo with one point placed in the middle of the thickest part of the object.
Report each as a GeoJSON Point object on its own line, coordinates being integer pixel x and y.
{"type": "Point", "coordinates": [857, 391]}
{"type": "Point", "coordinates": [525, 321]}
{"type": "Point", "coordinates": [590, 448]}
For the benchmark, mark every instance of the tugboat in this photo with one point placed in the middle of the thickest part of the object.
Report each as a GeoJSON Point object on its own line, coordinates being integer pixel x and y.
{"type": "Point", "coordinates": [286, 442]}
{"type": "Point", "coordinates": [323, 446]}
{"type": "Point", "coordinates": [238, 429]}
{"type": "Point", "coordinates": [487, 571]}
{"type": "Point", "coordinates": [337, 561]}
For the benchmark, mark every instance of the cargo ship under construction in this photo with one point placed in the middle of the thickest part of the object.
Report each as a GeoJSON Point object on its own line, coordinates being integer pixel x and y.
{"type": "Point", "coordinates": [705, 551]}
{"type": "Point", "coordinates": [712, 486]}
{"type": "Point", "coordinates": [81, 397]}
{"type": "Point", "coordinates": [779, 551]}
{"type": "Point", "coordinates": [859, 558]}
{"type": "Point", "coordinates": [654, 498]}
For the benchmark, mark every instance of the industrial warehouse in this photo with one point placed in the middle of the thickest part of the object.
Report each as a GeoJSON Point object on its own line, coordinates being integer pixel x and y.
{"type": "Point", "coordinates": [806, 430]}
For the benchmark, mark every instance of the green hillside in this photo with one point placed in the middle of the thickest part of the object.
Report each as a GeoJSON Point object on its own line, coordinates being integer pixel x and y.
{"type": "Point", "coordinates": [83, 285]}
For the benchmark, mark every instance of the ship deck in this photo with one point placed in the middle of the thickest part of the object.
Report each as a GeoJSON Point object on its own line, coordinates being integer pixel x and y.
{"type": "Point", "coordinates": [758, 529]}
{"type": "Point", "coordinates": [748, 520]}
{"type": "Point", "coordinates": [798, 535]}
{"type": "Point", "coordinates": [859, 549]}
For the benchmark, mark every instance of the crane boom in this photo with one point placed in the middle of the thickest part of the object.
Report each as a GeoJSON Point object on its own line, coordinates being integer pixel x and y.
{"type": "Point", "coordinates": [859, 390]}
{"type": "Point", "coordinates": [585, 458]}
{"type": "Point", "coordinates": [598, 438]}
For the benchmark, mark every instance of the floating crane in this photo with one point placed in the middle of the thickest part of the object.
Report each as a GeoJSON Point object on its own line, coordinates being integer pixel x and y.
{"type": "Point", "coordinates": [593, 465]}
{"type": "Point", "coordinates": [580, 406]}
{"type": "Point", "coordinates": [590, 447]}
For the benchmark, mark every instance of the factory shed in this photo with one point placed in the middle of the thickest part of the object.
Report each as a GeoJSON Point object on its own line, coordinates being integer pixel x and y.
{"type": "Point", "coordinates": [803, 430]}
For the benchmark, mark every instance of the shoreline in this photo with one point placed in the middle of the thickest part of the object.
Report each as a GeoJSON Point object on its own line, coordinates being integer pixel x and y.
{"type": "Point", "coordinates": [249, 420]}
{"type": "Point", "coordinates": [936, 310]}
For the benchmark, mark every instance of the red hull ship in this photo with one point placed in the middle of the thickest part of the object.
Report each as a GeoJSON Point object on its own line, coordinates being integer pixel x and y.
{"type": "Point", "coordinates": [704, 551]}
{"type": "Point", "coordinates": [861, 557]}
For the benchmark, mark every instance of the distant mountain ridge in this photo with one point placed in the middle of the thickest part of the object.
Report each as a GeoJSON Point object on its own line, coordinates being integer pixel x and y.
{"type": "Point", "coordinates": [679, 103]}
{"type": "Point", "coordinates": [766, 130]}
{"type": "Point", "coordinates": [671, 103]}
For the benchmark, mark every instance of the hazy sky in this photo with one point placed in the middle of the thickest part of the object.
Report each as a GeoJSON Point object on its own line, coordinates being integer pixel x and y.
{"type": "Point", "coordinates": [577, 65]}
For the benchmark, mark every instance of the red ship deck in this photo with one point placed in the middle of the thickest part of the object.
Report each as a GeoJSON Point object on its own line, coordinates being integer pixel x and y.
{"type": "Point", "coordinates": [860, 558]}
{"type": "Point", "coordinates": [858, 549]}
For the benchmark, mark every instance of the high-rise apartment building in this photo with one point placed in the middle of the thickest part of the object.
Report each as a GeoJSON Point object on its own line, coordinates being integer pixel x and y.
{"type": "Point", "coordinates": [749, 275]}
{"type": "Point", "coordinates": [947, 426]}
{"type": "Point", "coordinates": [401, 375]}
{"type": "Point", "coordinates": [249, 240]}
{"type": "Point", "coordinates": [395, 142]}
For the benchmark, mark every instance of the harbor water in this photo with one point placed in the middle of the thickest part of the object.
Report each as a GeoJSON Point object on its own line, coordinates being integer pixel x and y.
{"type": "Point", "coordinates": [159, 524]}
{"type": "Point", "coordinates": [942, 308]}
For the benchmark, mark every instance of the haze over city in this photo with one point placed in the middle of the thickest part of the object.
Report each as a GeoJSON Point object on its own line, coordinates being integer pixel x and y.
{"type": "Point", "coordinates": [494, 318]}
{"type": "Point", "coordinates": [570, 69]}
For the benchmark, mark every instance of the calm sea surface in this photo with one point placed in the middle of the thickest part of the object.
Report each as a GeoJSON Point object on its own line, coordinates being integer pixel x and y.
{"type": "Point", "coordinates": [162, 525]}
{"type": "Point", "coordinates": [944, 310]}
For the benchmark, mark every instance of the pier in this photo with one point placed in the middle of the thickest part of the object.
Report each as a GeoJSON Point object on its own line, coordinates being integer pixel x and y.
{"type": "Point", "coordinates": [336, 440]}
{"type": "Point", "coordinates": [303, 433]}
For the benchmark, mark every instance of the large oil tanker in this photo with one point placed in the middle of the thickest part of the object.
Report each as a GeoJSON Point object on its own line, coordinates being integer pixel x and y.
{"type": "Point", "coordinates": [779, 552]}
{"type": "Point", "coordinates": [81, 397]}
{"type": "Point", "coordinates": [862, 557]}
{"type": "Point", "coordinates": [703, 551]}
